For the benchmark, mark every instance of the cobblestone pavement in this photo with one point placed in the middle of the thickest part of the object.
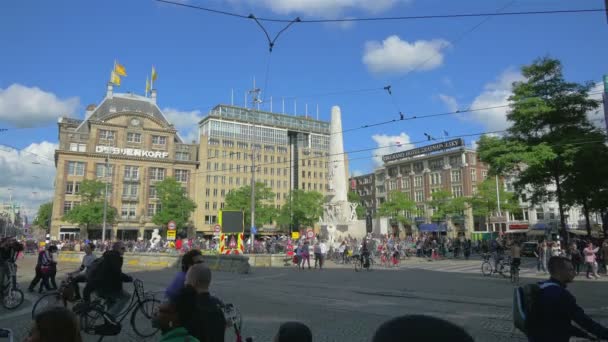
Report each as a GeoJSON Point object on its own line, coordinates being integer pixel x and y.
{"type": "Point", "coordinates": [342, 305]}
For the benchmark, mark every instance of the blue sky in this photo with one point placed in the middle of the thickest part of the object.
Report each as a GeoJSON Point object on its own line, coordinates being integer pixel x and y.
{"type": "Point", "coordinates": [58, 54]}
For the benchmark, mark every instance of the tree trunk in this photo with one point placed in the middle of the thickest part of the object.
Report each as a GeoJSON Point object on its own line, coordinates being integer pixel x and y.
{"type": "Point", "coordinates": [562, 219]}
{"type": "Point", "coordinates": [586, 213]}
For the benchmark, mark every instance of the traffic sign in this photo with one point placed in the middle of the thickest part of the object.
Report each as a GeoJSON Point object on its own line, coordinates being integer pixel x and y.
{"type": "Point", "coordinates": [295, 235]}
{"type": "Point", "coordinates": [309, 233]}
{"type": "Point", "coordinates": [171, 225]}
{"type": "Point", "coordinates": [171, 235]}
{"type": "Point", "coordinates": [217, 229]}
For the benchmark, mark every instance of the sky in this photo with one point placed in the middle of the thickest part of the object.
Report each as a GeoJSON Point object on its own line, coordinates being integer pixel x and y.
{"type": "Point", "coordinates": [57, 57]}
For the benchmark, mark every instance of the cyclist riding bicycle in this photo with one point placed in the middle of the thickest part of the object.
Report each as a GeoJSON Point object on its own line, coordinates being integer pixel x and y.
{"type": "Point", "coordinates": [364, 254]}
{"type": "Point", "coordinates": [106, 280]}
{"type": "Point", "coordinates": [9, 250]}
{"type": "Point", "coordinates": [79, 276]}
{"type": "Point", "coordinates": [515, 255]}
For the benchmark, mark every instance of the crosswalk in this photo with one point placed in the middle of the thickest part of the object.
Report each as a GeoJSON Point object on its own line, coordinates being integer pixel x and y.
{"type": "Point", "coordinates": [527, 268]}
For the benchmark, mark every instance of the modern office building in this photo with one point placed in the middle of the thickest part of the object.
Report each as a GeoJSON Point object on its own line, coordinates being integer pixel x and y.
{"type": "Point", "coordinates": [421, 171]}
{"type": "Point", "coordinates": [141, 148]}
{"type": "Point", "coordinates": [289, 152]}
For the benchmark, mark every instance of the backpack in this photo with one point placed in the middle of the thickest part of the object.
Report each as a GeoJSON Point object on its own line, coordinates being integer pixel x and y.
{"type": "Point", "coordinates": [525, 305]}
{"type": "Point", "coordinates": [92, 272]}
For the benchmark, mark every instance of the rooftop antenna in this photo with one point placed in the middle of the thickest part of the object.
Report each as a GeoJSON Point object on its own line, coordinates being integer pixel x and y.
{"type": "Point", "coordinates": [306, 109]}
{"type": "Point", "coordinates": [232, 97]}
{"type": "Point", "coordinates": [271, 103]}
{"type": "Point", "coordinates": [295, 107]}
{"type": "Point", "coordinates": [255, 96]}
{"type": "Point", "coordinates": [283, 103]}
{"type": "Point", "coordinates": [317, 111]}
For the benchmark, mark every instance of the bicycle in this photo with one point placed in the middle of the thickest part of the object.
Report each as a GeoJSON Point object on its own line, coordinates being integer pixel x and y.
{"type": "Point", "coordinates": [95, 312]}
{"type": "Point", "coordinates": [503, 265]}
{"type": "Point", "coordinates": [12, 296]}
{"type": "Point", "coordinates": [360, 263]}
{"type": "Point", "coordinates": [514, 274]}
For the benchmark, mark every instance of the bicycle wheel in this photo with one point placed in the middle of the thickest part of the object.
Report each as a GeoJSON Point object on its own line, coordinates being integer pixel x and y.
{"type": "Point", "coordinates": [13, 299]}
{"type": "Point", "coordinates": [141, 318]}
{"type": "Point", "coordinates": [358, 265]}
{"type": "Point", "coordinates": [505, 270]}
{"type": "Point", "coordinates": [486, 268]}
{"type": "Point", "coordinates": [49, 300]}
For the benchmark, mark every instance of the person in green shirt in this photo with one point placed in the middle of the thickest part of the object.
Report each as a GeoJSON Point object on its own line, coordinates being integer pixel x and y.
{"type": "Point", "coordinates": [172, 315]}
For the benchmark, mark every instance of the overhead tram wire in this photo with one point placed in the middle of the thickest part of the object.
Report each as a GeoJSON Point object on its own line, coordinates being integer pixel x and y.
{"type": "Point", "coordinates": [395, 18]}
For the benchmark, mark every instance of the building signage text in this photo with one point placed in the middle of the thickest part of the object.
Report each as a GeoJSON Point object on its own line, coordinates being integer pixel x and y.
{"type": "Point", "coordinates": [422, 150]}
{"type": "Point", "coordinates": [135, 152]}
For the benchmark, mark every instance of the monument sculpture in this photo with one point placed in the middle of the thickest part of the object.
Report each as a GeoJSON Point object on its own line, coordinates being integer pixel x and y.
{"type": "Point", "coordinates": [339, 216]}
{"type": "Point", "coordinates": [155, 240]}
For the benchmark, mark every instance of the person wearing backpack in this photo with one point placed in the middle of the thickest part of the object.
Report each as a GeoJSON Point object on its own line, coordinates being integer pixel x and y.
{"type": "Point", "coordinates": [551, 308]}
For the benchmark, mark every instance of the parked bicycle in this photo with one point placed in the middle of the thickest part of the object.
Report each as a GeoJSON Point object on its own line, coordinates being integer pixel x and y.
{"type": "Point", "coordinates": [12, 296]}
{"type": "Point", "coordinates": [94, 317]}
{"type": "Point", "coordinates": [503, 266]}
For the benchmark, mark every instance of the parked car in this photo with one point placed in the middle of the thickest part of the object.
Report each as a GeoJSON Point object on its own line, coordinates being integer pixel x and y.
{"type": "Point", "coordinates": [529, 248]}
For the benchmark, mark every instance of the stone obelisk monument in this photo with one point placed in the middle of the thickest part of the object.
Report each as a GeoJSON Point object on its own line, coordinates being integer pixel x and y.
{"type": "Point", "coordinates": [339, 216]}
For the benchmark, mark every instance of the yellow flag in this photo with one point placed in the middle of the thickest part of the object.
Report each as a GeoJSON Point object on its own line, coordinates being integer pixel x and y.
{"type": "Point", "coordinates": [120, 69]}
{"type": "Point", "coordinates": [114, 78]}
{"type": "Point", "coordinates": [154, 74]}
{"type": "Point", "coordinates": [147, 85]}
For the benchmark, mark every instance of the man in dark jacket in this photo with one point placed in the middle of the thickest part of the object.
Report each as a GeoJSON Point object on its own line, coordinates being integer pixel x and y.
{"type": "Point", "coordinates": [556, 308]}
{"type": "Point", "coordinates": [209, 323]}
{"type": "Point", "coordinates": [107, 278]}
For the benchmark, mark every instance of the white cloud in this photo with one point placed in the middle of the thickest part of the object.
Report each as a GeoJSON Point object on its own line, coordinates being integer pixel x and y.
{"type": "Point", "coordinates": [322, 8]}
{"type": "Point", "coordinates": [449, 102]}
{"type": "Point", "coordinates": [29, 173]}
{"type": "Point", "coordinates": [356, 173]}
{"type": "Point", "coordinates": [186, 122]}
{"type": "Point", "coordinates": [396, 55]}
{"type": "Point", "coordinates": [23, 106]}
{"type": "Point", "coordinates": [388, 144]}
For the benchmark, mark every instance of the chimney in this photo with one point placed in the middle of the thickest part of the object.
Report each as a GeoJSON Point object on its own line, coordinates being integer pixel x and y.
{"type": "Point", "coordinates": [90, 110]}
{"type": "Point", "coordinates": [109, 90]}
{"type": "Point", "coordinates": [153, 95]}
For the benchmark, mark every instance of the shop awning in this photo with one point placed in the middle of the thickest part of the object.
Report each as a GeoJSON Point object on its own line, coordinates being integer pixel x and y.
{"type": "Point", "coordinates": [432, 227]}
{"type": "Point", "coordinates": [540, 226]}
{"type": "Point", "coordinates": [536, 232]}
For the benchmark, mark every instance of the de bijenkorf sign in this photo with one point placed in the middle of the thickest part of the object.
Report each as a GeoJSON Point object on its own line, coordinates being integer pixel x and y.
{"type": "Point", "coordinates": [423, 150]}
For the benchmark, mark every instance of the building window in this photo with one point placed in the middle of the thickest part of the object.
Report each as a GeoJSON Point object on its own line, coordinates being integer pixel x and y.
{"type": "Point", "coordinates": [435, 178]}
{"type": "Point", "coordinates": [405, 183]}
{"type": "Point", "coordinates": [551, 213]}
{"type": "Point", "coordinates": [215, 192]}
{"type": "Point", "coordinates": [131, 172]}
{"type": "Point", "coordinates": [184, 156]}
{"type": "Point", "coordinates": [540, 214]}
{"type": "Point", "coordinates": [134, 137]}
{"type": "Point", "coordinates": [210, 219]}
{"type": "Point", "coordinates": [127, 211]}
{"type": "Point", "coordinates": [159, 140]}
{"type": "Point", "coordinates": [418, 181]}
{"type": "Point", "coordinates": [69, 205]}
{"type": "Point", "coordinates": [152, 192]}
{"type": "Point", "coordinates": [130, 190]}
{"type": "Point", "coordinates": [418, 167]}
{"type": "Point", "coordinates": [455, 176]}
{"type": "Point", "coordinates": [207, 205]}
{"type": "Point", "coordinates": [419, 196]}
{"type": "Point", "coordinates": [473, 175]}
{"type": "Point", "coordinates": [75, 168]}
{"type": "Point", "coordinates": [75, 147]}
{"type": "Point", "coordinates": [222, 205]}
{"type": "Point", "coordinates": [72, 188]}
{"type": "Point", "coordinates": [156, 173]}
{"type": "Point", "coordinates": [392, 185]}
{"type": "Point", "coordinates": [484, 174]}
{"type": "Point", "coordinates": [181, 175]}
{"type": "Point", "coordinates": [238, 181]}
{"type": "Point", "coordinates": [153, 208]}
{"type": "Point", "coordinates": [457, 191]}
{"type": "Point", "coordinates": [214, 205]}
{"type": "Point", "coordinates": [106, 135]}
{"type": "Point", "coordinates": [100, 170]}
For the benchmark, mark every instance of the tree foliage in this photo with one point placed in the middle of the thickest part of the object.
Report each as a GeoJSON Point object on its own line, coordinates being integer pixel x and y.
{"type": "Point", "coordinates": [549, 127]}
{"type": "Point", "coordinates": [305, 207]}
{"type": "Point", "coordinates": [175, 205]}
{"type": "Point", "coordinates": [240, 199]}
{"type": "Point", "coordinates": [43, 217]}
{"type": "Point", "coordinates": [485, 202]}
{"type": "Point", "coordinates": [445, 206]}
{"type": "Point", "coordinates": [90, 210]}
{"type": "Point", "coordinates": [396, 206]}
{"type": "Point", "coordinates": [353, 197]}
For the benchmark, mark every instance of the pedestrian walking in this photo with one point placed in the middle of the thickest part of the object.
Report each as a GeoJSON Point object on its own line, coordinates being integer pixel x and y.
{"type": "Point", "coordinates": [43, 269]}
{"type": "Point", "coordinates": [318, 255]}
{"type": "Point", "coordinates": [590, 260]}
{"type": "Point", "coordinates": [604, 255]}
{"type": "Point", "coordinates": [306, 254]}
{"type": "Point", "coordinates": [541, 257]}
{"type": "Point", "coordinates": [576, 257]}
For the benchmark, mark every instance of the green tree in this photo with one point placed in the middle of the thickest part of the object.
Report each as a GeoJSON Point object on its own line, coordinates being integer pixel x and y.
{"type": "Point", "coordinates": [90, 210]}
{"type": "Point", "coordinates": [445, 206]}
{"type": "Point", "coordinates": [302, 208]}
{"type": "Point", "coordinates": [353, 197]}
{"type": "Point", "coordinates": [43, 217]}
{"type": "Point", "coordinates": [175, 205]}
{"type": "Point", "coordinates": [396, 206]}
{"type": "Point", "coordinates": [548, 124]}
{"type": "Point", "coordinates": [485, 202]}
{"type": "Point", "coordinates": [240, 199]}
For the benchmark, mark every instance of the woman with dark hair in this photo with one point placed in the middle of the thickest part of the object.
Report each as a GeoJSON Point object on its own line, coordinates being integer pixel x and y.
{"type": "Point", "coordinates": [55, 324]}
{"type": "Point", "coordinates": [172, 316]}
{"type": "Point", "coordinates": [190, 258]}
